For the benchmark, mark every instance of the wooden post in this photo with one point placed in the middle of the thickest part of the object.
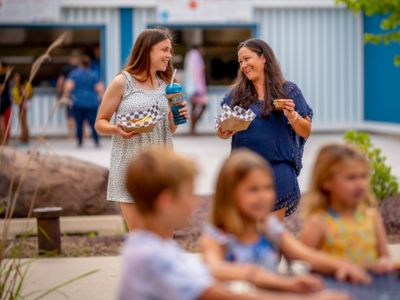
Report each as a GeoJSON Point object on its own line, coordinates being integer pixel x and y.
{"type": "Point", "coordinates": [48, 228]}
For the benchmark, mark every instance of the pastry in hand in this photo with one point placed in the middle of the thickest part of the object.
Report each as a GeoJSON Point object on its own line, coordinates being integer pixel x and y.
{"type": "Point", "coordinates": [279, 103]}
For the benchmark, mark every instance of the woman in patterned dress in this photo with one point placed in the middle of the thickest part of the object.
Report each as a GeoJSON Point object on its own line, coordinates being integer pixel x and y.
{"type": "Point", "coordinates": [139, 86]}
{"type": "Point", "coordinates": [277, 135]}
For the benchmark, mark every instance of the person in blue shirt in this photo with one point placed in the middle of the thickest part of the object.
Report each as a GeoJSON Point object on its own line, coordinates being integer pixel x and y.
{"type": "Point", "coordinates": [278, 135]}
{"type": "Point", "coordinates": [72, 64]}
{"type": "Point", "coordinates": [84, 88]}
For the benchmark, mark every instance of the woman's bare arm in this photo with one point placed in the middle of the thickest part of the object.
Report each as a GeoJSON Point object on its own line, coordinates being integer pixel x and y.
{"type": "Point", "coordinates": [111, 100]}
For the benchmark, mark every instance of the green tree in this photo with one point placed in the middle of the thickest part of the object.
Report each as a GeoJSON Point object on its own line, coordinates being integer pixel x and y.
{"type": "Point", "coordinates": [390, 9]}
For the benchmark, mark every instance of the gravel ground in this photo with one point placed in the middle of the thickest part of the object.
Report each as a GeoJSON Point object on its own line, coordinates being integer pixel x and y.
{"type": "Point", "coordinates": [92, 245]}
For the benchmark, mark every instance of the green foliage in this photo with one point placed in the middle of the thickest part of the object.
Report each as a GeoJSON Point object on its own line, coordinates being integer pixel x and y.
{"type": "Point", "coordinates": [383, 183]}
{"type": "Point", "coordinates": [388, 8]}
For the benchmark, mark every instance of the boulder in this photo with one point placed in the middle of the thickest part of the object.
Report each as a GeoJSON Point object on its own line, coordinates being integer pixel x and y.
{"type": "Point", "coordinates": [45, 180]}
{"type": "Point", "coordinates": [390, 211]}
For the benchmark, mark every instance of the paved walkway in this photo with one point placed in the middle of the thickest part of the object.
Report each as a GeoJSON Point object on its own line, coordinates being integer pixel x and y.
{"type": "Point", "coordinates": [103, 285]}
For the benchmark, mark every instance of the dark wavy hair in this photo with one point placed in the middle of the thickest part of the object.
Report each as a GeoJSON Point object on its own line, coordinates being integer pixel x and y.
{"type": "Point", "coordinates": [139, 58]}
{"type": "Point", "coordinates": [243, 91]}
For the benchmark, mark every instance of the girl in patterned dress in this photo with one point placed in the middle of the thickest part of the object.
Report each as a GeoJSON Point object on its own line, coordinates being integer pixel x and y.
{"type": "Point", "coordinates": [140, 86]}
{"type": "Point", "coordinates": [339, 215]}
{"type": "Point", "coordinates": [243, 239]}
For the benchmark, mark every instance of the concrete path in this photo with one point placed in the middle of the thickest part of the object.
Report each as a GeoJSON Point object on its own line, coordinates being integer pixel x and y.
{"type": "Point", "coordinates": [46, 273]}
{"type": "Point", "coordinates": [101, 225]}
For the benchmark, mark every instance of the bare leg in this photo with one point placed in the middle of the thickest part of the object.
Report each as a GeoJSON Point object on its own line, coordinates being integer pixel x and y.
{"type": "Point", "coordinates": [71, 128]}
{"type": "Point", "coordinates": [197, 112]}
{"type": "Point", "coordinates": [131, 216]}
{"type": "Point", "coordinates": [280, 214]}
{"type": "Point", "coordinates": [2, 129]}
{"type": "Point", "coordinates": [192, 116]}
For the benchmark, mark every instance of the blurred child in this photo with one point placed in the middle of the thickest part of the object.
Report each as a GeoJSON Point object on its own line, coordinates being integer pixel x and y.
{"type": "Point", "coordinates": [21, 93]}
{"type": "Point", "coordinates": [244, 239]}
{"type": "Point", "coordinates": [154, 266]}
{"type": "Point", "coordinates": [85, 89]}
{"type": "Point", "coordinates": [339, 217]}
{"type": "Point", "coordinates": [195, 84]}
{"type": "Point", "coordinates": [5, 104]}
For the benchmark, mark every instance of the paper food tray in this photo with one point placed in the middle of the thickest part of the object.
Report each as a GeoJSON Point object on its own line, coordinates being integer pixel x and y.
{"type": "Point", "coordinates": [151, 117]}
{"type": "Point", "coordinates": [236, 119]}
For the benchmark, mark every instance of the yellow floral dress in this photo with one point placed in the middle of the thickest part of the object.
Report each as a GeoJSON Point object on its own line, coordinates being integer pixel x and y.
{"type": "Point", "coordinates": [353, 239]}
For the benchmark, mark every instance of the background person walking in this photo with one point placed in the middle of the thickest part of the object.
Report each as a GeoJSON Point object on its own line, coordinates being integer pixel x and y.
{"type": "Point", "coordinates": [84, 89]}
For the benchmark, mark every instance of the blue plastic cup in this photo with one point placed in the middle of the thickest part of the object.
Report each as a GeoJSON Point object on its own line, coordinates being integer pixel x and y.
{"type": "Point", "coordinates": [175, 96]}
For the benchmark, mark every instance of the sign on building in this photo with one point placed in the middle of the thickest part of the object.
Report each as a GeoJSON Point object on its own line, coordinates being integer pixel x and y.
{"type": "Point", "coordinates": [204, 11]}
{"type": "Point", "coordinates": [29, 11]}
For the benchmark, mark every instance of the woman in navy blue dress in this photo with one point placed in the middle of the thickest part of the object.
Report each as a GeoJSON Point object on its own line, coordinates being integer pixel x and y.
{"type": "Point", "coordinates": [277, 135]}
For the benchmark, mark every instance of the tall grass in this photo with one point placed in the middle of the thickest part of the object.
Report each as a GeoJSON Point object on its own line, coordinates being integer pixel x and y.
{"type": "Point", "coordinates": [13, 270]}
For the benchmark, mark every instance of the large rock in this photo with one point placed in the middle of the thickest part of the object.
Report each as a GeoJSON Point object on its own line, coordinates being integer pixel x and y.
{"type": "Point", "coordinates": [390, 211]}
{"type": "Point", "coordinates": [78, 187]}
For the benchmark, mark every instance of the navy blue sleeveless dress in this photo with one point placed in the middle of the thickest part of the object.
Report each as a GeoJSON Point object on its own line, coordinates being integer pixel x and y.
{"type": "Point", "coordinates": [275, 140]}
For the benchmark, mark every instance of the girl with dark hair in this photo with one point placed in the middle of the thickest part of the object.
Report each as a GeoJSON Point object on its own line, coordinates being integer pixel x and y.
{"type": "Point", "coordinates": [278, 135]}
{"type": "Point", "coordinates": [138, 87]}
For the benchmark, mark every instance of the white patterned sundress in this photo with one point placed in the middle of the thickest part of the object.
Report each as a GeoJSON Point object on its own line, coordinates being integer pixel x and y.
{"type": "Point", "coordinates": [123, 150]}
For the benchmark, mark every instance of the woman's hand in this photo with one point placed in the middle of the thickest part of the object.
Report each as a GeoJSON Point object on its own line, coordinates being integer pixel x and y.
{"type": "Point", "coordinates": [124, 134]}
{"type": "Point", "coordinates": [383, 265]}
{"type": "Point", "coordinates": [184, 111]}
{"type": "Point", "coordinates": [225, 134]}
{"type": "Point", "coordinates": [289, 110]}
{"type": "Point", "coordinates": [302, 126]}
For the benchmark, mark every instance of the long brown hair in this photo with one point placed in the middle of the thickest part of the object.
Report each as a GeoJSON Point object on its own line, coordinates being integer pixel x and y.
{"type": "Point", "coordinates": [225, 212]}
{"type": "Point", "coordinates": [139, 59]}
{"type": "Point", "coordinates": [328, 160]}
{"type": "Point", "coordinates": [244, 92]}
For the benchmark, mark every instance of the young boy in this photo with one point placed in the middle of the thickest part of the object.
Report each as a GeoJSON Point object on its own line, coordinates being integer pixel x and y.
{"type": "Point", "coordinates": [154, 266]}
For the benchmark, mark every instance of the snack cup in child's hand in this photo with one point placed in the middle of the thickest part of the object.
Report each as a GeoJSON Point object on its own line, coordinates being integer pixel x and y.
{"type": "Point", "coordinates": [279, 103]}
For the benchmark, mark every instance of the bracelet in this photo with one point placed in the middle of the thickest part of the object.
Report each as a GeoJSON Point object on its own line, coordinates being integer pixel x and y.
{"type": "Point", "coordinates": [296, 117]}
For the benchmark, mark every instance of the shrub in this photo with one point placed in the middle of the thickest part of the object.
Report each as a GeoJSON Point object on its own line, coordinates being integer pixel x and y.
{"type": "Point", "coordinates": [383, 183]}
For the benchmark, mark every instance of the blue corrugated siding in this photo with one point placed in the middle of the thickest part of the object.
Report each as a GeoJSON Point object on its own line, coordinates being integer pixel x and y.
{"type": "Point", "coordinates": [382, 78]}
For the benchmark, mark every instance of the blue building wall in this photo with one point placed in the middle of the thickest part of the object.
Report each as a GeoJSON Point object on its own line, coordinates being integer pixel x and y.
{"type": "Point", "coordinates": [382, 78]}
{"type": "Point", "coordinates": [126, 33]}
